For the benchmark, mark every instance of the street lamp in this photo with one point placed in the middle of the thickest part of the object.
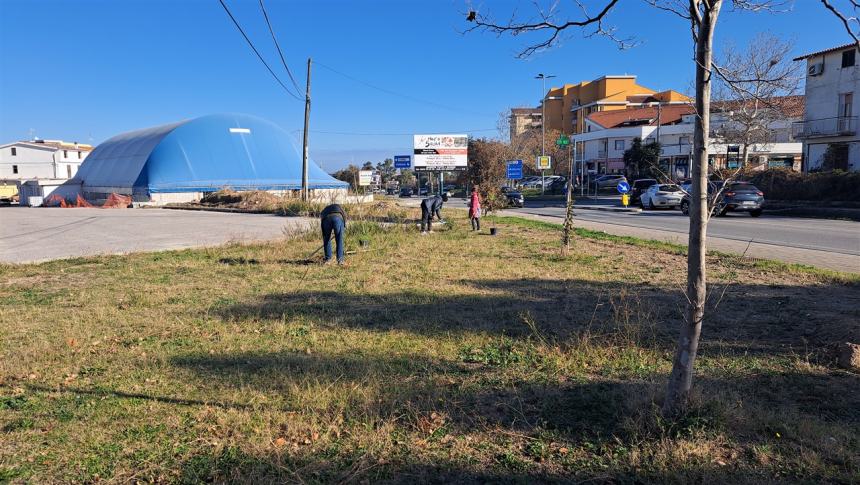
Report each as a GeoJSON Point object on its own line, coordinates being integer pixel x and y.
{"type": "Point", "coordinates": [543, 77]}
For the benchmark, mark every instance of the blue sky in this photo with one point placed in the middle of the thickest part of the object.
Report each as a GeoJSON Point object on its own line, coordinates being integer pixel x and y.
{"type": "Point", "coordinates": [86, 70]}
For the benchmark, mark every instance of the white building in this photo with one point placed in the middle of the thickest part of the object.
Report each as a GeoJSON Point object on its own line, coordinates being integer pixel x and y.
{"type": "Point", "coordinates": [610, 133]}
{"type": "Point", "coordinates": [41, 159]}
{"type": "Point", "coordinates": [829, 124]}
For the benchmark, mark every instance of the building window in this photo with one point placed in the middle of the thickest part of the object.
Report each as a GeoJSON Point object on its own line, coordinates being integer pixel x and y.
{"type": "Point", "coordinates": [14, 152]}
{"type": "Point", "coordinates": [846, 100]}
{"type": "Point", "coordinates": [649, 140]}
{"type": "Point", "coordinates": [69, 171]}
{"type": "Point", "coordinates": [684, 140]}
{"type": "Point", "coordinates": [619, 144]}
{"type": "Point", "coordinates": [65, 154]}
{"type": "Point", "coordinates": [79, 155]}
{"type": "Point", "coordinates": [848, 58]}
{"type": "Point", "coordinates": [14, 169]}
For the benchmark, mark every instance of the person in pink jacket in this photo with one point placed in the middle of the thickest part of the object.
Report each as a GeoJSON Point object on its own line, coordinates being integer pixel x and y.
{"type": "Point", "coordinates": [475, 209]}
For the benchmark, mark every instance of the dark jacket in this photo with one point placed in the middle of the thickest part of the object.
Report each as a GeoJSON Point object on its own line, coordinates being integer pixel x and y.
{"type": "Point", "coordinates": [334, 210]}
{"type": "Point", "coordinates": [433, 206]}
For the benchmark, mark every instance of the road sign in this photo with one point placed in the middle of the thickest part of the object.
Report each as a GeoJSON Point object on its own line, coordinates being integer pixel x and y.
{"type": "Point", "coordinates": [563, 140]}
{"type": "Point", "coordinates": [365, 177]}
{"type": "Point", "coordinates": [623, 187]}
{"type": "Point", "coordinates": [544, 162]}
{"type": "Point", "coordinates": [515, 169]}
{"type": "Point", "coordinates": [402, 161]}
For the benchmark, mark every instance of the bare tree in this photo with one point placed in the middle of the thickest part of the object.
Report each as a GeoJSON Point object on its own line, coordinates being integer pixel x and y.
{"type": "Point", "coordinates": [701, 17]}
{"type": "Point", "coordinates": [850, 22]}
{"type": "Point", "coordinates": [750, 95]}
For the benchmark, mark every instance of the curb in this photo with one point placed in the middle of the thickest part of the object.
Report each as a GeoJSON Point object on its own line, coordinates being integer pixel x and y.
{"type": "Point", "coordinates": [609, 209]}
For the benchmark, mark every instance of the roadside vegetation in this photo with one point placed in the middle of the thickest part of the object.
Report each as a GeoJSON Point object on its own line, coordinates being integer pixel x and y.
{"type": "Point", "coordinates": [450, 358]}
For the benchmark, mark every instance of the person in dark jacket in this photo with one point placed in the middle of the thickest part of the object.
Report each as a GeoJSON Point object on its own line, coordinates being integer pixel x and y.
{"type": "Point", "coordinates": [333, 220]}
{"type": "Point", "coordinates": [429, 207]}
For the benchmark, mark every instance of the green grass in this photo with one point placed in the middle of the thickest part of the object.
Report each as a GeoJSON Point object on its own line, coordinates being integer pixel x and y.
{"type": "Point", "coordinates": [454, 357]}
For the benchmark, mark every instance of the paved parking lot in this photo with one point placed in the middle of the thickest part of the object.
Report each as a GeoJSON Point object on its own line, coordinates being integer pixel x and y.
{"type": "Point", "coordinates": [41, 234]}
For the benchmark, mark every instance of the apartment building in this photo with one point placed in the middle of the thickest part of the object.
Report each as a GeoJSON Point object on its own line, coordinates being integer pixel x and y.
{"type": "Point", "coordinates": [43, 159]}
{"type": "Point", "coordinates": [567, 107]}
{"type": "Point", "coordinates": [609, 134]}
{"type": "Point", "coordinates": [829, 126]}
{"type": "Point", "coordinates": [524, 119]}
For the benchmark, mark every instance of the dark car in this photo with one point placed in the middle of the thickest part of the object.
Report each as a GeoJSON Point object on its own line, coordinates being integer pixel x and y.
{"type": "Point", "coordinates": [423, 191]}
{"type": "Point", "coordinates": [515, 199]}
{"type": "Point", "coordinates": [406, 192]}
{"type": "Point", "coordinates": [556, 186]}
{"type": "Point", "coordinates": [731, 197]}
{"type": "Point", "coordinates": [639, 186]}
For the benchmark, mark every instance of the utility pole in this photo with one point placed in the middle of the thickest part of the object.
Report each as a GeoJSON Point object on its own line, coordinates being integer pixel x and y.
{"type": "Point", "coordinates": [305, 138]}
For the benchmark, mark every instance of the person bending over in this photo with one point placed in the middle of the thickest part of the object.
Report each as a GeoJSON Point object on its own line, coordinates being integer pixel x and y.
{"type": "Point", "coordinates": [429, 207]}
{"type": "Point", "coordinates": [333, 220]}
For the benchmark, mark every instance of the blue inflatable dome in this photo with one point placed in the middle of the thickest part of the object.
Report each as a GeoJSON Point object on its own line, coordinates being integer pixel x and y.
{"type": "Point", "coordinates": [204, 154]}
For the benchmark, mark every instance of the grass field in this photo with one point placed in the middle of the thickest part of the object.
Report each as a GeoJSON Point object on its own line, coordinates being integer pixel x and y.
{"type": "Point", "coordinates": [453, 357]}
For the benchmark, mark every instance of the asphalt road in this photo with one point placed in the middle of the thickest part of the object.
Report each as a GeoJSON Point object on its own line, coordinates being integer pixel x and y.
{"type": "Point", "coordinates": [42, 234]}
{"type": "Point", "coordinates": [833, 244]}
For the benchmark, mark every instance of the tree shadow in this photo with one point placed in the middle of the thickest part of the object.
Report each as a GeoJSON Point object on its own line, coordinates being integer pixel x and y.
{"type": "Point", "coordinates": [600, 413]}
{"type": "Point", "coordinates": [742, 318]}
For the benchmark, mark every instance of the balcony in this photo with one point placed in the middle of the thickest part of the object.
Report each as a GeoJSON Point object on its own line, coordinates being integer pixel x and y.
{"type": "Point", "coordinates": [840, 126]}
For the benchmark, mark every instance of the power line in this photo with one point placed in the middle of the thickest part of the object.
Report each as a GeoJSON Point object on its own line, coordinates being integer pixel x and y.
{"type": "Point", "coordinates": [395, 93]}
{"type": "Point", "coordinates": [350, 133]}
{"type": "Point", "coordinates": [278, 46]}
{"type": "Point", "coordinates": [251, 44]}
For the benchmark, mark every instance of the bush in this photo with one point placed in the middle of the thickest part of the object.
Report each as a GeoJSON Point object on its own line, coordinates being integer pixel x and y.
{"type": "Point", "coordinates": [785, 184]}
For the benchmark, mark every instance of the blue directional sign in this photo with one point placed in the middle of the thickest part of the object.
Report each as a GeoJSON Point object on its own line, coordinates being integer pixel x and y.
{"type": "Point", "coordinates": [623, 187]}
{"type": "Point", "coordinates": [402, 161]}
{"type": "Point", "coordinates": [515, 169]}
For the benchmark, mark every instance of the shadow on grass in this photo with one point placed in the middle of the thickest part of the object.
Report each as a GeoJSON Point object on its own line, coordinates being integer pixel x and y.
{"type": "Point", "coordinates": [598, 417]}
{"type": "Point", "coordinates": [742, 318]}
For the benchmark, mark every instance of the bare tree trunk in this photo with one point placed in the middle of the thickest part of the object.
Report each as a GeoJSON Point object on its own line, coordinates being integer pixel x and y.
{"type": "Point", "coordinates": [681, 378]}
{"type": "Point", "coordinates": [746, 155]}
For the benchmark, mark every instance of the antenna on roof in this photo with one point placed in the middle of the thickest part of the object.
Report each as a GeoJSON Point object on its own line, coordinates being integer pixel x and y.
{"type": "Point", "coordinates": [32, 134]}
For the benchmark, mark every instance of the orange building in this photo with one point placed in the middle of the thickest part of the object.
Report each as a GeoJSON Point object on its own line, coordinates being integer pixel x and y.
{"type": "Point", "coordinates": [568, 106]}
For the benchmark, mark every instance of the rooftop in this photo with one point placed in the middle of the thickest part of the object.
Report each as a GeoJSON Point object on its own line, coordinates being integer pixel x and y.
{"type": "Point", "coordinates": [669, 115]}
{"type": "Point", "coordinates": [790, 106]}
{"type": "Point", "coordinates": [826, 51]}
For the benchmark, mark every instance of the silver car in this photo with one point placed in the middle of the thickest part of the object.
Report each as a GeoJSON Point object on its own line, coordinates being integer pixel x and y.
{"type": "Point", "coordinates": [661, 195]}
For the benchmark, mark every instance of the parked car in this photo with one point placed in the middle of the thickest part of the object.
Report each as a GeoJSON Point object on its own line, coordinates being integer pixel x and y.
{"type": "Point", "coordinates": [532, 183]}
{"type": "Point", "coordinates": [515, 198]}
{"type": "Point", "coordinates": [556, 185]}
{"type": "Point", "coordinates": [423, 191]}
{"type": "Point", "coordinates": [661, 195]}
{"type": "Point", "coordinates": [639, 186]}
{"type": "Point", "coordinates": [406, 192]}
{"type": "Point", "coordinates": [734, 197]}
{"type": "Point", "coordinates": [609, 181]}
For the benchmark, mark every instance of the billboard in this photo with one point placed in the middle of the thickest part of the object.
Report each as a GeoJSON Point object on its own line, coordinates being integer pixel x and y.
{"type": "Point", "coordinates": [365, 177]}
{"type": "Point", "coordinates": [440, 152]}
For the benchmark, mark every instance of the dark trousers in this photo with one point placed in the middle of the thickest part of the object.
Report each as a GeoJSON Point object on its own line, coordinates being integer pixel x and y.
{"type": "Point", "coordinates": [476, 223]}
{"type": "Point", "coordinates": [426, 219]}
{"type": "Point", "coordinates": [333, 224]}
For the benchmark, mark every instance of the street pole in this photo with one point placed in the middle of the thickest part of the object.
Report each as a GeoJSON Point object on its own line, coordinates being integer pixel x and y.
{"type": "Point", "coordinates": [543, 77]}
{"type": "Point", "coordinates": [543, 131]}
{"type": "Point", "coordinates": [305, 137]}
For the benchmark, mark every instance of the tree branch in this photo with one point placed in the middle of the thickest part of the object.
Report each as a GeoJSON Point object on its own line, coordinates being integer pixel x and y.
{"type": "Point", "coordinates": [846, 21]}
{"type": "Point", "coordinates": [547, 22]}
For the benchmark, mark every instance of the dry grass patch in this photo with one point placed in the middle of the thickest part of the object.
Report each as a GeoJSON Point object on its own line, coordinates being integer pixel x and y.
{"type": "Point", "coordinates": [452, 358]}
